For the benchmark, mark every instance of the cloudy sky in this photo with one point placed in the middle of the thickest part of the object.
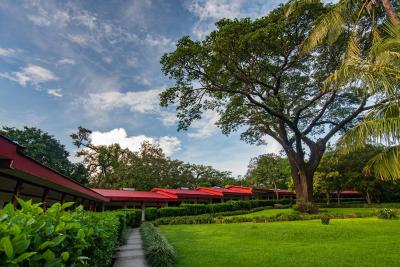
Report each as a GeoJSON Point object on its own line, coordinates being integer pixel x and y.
{"type": "Point", "coordinates": [95, 64]}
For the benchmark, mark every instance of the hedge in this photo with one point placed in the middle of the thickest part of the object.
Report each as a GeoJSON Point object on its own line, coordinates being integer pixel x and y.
{"type": "Point", "coordinates": [30, 236]}
{"type": "Point", "coordinates": [198, 209]}
{"type": "Point", "coordinates": [158, 250]}
{"type": "Point", "coordinates": [295, 216]}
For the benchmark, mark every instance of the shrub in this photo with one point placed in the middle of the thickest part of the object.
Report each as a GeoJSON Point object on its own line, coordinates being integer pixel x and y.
{"type": "Point", "coordinates": [31, 237]}
{"type": "Point", "coordinates": [386, 213]}
{"type": "Point", "coordinates": [151, 214]}
{"type": "Point", "coordinates": [325, 219]}
{"type": "Point", "coordinates": [158, 250]}
{"type": "Point", "coordinates": [306, 207]}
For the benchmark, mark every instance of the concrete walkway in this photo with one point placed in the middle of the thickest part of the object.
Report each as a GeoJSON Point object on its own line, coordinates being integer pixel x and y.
{"type": "Point", "coordinates": [131, 254]}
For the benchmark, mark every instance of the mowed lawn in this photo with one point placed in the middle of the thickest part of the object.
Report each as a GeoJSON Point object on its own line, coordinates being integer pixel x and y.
{"type": "Point", "coordinates": [348, 242]}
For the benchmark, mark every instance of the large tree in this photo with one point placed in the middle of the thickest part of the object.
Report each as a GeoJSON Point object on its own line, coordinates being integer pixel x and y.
{"type": "Point", "coordinates": [376, 67]}
{"type": "Point", "coordinates": [253, 74]}
{"type": "Point", "coordinates": [46, 149]}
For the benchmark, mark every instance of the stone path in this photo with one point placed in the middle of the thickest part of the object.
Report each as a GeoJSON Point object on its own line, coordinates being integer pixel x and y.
{"type": "Point", "coordinates": [131, 254]}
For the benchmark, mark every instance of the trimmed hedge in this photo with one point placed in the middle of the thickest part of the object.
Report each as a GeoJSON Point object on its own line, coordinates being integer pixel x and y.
{"type": "Point", "coordinates": [158, 250]}
{"type": "Point", "coordinates": [198, 209]}
{"type": "Point", "coordinates": [30, 236]}
{"type": "Point", "coordinates": [295, 216]}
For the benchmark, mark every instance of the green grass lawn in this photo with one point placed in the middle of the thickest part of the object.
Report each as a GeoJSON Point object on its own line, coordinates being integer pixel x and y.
{"type": "Point", "coordinates": [349, 242]}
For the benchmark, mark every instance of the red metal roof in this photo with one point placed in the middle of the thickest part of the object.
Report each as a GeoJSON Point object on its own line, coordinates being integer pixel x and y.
{"type": "Point", "coordinates": [185, 193]}
{"type": "Point", "coordinates": [242, 189]}
{"type": "Point", "coordinates": [223, 191]}
{"type": "Point", "coordinates": [131, 195]}
{"type": "Point", "coordinates": [349, 193]}
{"type": "Point", "coordinates": [24, 164]}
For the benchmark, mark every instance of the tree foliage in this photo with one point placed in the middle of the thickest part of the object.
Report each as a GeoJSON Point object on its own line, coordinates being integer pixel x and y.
{"type": "Point", "coordinates": [115, 167]}
{"type": "Point", "coordinates": [252, 72]}
{"type": "Point", "coordinates": [46, 149]}
{"type": "Point", "coordinates": [268, 171]}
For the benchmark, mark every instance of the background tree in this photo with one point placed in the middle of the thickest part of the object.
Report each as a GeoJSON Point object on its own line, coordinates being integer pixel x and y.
{"type": "Point", "coordinates": [115, 167]}
{"type": "Point", "coordinates": [253, 74]}
{"type": "Point", "coordinates": [47, 150]}
{"type": "Point", "coordinates": [268, 171]}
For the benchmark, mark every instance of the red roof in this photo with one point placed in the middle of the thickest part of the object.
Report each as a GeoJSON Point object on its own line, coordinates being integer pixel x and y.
{"type": "Point", "coordinates": [223, 191]}
{"type": "Point", "coordinates": [185, 193]}
{"type": "Point", "coordinates": [241, 189]}
{"type": "Point", "coordinates": [28, 169]}
{"type": "Point", "coordinates": [131, 195]}
{"type": "Point", "coordinates": [349, 193]}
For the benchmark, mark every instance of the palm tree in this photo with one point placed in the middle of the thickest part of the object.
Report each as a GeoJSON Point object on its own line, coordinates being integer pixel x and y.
{"type": "Point", "coordinates": [378, 71]}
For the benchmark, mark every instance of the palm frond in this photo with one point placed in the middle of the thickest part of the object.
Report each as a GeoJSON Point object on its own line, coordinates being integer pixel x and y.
{"type": "Point", "coordinates": [385, 165]}
{"type": "Point", "coordinates": [296, 4]}
{"type": "Point", "coordinates": [330, 26]}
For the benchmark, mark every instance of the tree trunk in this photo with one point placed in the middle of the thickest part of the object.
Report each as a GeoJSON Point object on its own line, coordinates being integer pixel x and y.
{"type": "Point", "coordinates": [338, 197]}
{"type": "Point", "coordinates": [303, 182]}
{"type": "Point", "coordinates": [391, 12]}
{"type": "Point", "coordinates": [276, 191]}
{"type": "Point", "coordinates": [368, 198]}
{"type": "Point", "coordinates": [328, 199]}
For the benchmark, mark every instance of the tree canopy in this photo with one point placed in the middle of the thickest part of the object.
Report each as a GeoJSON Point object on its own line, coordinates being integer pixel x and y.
{"type": "Point", "coordinates": [115, 167]}
{"type": "Point", "coordinates": [46, 149]}
{"type": "Point", "coordinates": [252, 72]}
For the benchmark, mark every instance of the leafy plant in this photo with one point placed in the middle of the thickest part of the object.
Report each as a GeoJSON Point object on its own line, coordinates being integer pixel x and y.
{"type": "Point", "coordinates": [306, 207]}
{"type": "Point", "coordinates": [386, 213]}
{"type": "Point", "coordinates": [325, 219]}
{"type": "Point", "coordinates": [158, 250]}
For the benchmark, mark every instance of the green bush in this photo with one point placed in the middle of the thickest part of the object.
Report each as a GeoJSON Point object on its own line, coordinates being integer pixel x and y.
{"type": "Point", "coordinates": [198, 209]}
{"type": "Point", "coordinates": [306, 207]}
{"type": "Point", "coordinates": [325, 219]}
{"type": "Point", "coordinates": [151, 214]}
{"type": "Point", "coordinates": [158, 250]}
{"type": "Point", "coordinates": [31, 237]}
{"type": "Point", "coordinates": [386, 213]}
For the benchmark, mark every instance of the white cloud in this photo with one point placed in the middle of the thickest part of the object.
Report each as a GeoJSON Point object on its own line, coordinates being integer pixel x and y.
{"type": "Point", "coordinates": [205, 127]}
{"type": "Point", "coordinates": [32, 74]}
{"type": "Point", "coordinates": [39, 20]}
{"type": "Point", "coordinates": [6, 52]}
{"type": "Point", "coordinates": [216, 9]}
{"type": "Point", "coordinates": [119, 136]}
{"type": "Point", "coordinates": [67, 61]}
{"type": "Point", "coordinates": [210, 11]}
{"type": "Point", "coordinates": [136, 101]}
{"type": "Point", "coordinates": [55, 92]}
{"type": "Point", "coordinates": [168, 118]}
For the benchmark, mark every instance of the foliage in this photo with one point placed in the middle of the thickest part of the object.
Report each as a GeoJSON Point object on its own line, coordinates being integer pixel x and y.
{"type": "Point", "coordinates": [340, 171]}
{"type": "Point", "coordinates": [47, 150]}
{"type": "Point", "coordinates": [158, 250]}
{"type": "Point", "coordinates": [252, 73]}
{"type": "Point", "coordinates": [36, 238]}
{"type": "Point", "coordinates": [31, 236]}
{"type": "Point", "coordinates": [196, 209]}
{"type": "Point", "coordinates": [375, 68]}
{"type": "Point", "coordinates": [115, 167]}
{"type": "Point", "coordinates": [325, 219]}
{"type": "Point", "coordinates": [386, 213]}
{"type": "Point", "coordinates": [306, 207]}
{"type": "Point", "coordinates": [268, 170]}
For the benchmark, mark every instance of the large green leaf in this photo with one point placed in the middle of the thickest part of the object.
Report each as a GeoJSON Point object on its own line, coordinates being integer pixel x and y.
{"type": "Point", "coordinates": [7, 246]}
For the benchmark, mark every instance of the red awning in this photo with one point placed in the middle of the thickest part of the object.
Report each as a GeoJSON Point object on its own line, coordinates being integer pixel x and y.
{"type": "Point", "coordinates": [185, 193]}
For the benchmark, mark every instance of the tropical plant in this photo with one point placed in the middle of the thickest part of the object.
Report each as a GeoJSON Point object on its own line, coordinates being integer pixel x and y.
{"type": "Point", "coordinates": [378, 71]}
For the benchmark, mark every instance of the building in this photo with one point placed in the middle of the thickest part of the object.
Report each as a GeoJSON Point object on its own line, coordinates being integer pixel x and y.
{"type": "Point", "coordinates": [189, 196]}
{"type": "Point", "coordinates": [227, 194]}
{"type": "Point", "coordinates": [23, 177]}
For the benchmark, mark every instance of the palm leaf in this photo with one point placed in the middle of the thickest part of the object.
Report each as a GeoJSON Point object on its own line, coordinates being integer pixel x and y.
{"type": "Point", "coordinates": [385, 165]}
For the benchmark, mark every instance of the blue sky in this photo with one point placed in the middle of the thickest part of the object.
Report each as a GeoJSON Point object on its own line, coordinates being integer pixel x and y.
{"type": "Point", "coordinates": [95, 64]}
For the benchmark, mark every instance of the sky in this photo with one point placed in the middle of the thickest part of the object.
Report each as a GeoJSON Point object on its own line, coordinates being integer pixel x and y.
{"type": "Point", "coordinates": [95, 64]}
